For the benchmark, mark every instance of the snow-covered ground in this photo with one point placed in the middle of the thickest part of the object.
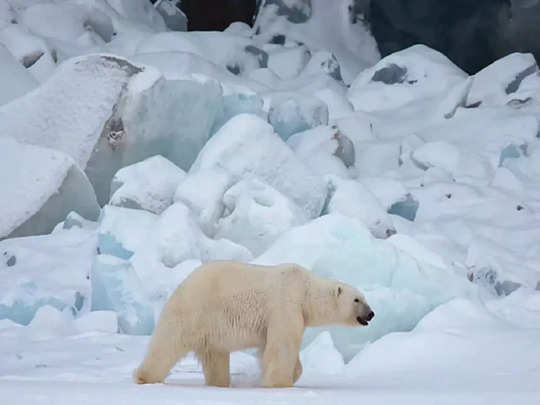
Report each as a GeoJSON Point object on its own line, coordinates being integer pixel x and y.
{"type": "Point", "coordinates": [130, 153]}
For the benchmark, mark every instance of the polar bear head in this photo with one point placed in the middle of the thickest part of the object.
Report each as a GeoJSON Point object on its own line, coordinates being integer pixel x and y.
{"type": "Point", "coordinates": [352, 306]}
{"type": "Point", "coordinates": [334, 303]}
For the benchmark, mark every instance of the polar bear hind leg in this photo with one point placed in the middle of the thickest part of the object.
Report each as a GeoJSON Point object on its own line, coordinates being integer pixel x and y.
{"type": "Point", "coordinates": [215, 367]}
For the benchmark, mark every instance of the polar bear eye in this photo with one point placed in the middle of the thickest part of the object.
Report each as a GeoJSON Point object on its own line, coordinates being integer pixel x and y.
{"type": "Point", "coordinates": [356, 300]}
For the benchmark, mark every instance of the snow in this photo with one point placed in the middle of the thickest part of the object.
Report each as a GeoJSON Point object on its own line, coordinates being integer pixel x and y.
{"type": "Point", "coordinates": [414, 73]}
{"type": "Point", "coordinates": [34, 201]}
{"type": "Point", "coordinates": [500, 82]}
{"type": "Point", "coordinates": [46, 270]}
{"type": "Point", "coordinates": [418, 184]}
{"type": "Point", "coordinates": [16, 81]}
{"type": "Point", "coordinates": [255, 214]}
{"type": "Point", "coordinates": [350, 198]}
{"type": "Point", "coordinates": [149, 185]}
{"type": "Point", "coordinates": [266, 157]}
{"type": "Point", "coordinates": [320, 26]}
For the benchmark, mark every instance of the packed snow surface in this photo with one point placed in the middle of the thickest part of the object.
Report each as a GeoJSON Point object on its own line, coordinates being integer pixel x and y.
{"type": "Point", "coordinates": [132, 151]}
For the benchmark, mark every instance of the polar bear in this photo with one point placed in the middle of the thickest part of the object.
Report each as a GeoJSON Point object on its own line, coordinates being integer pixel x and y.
{"type": "Point", "coordinates": [226, 306]}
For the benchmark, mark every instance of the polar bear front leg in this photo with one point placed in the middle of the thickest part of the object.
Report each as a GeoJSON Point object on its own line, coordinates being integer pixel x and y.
{"type": "Point", "coordinates": [280, 356]}
{"type": "Point", "coordinates": [297, 370]}
{"type": "Point", "coordinates": [215, 367]}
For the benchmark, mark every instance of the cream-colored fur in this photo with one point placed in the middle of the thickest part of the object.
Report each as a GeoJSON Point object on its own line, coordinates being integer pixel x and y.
{"type": "Point", "coordinates": [226, 306]}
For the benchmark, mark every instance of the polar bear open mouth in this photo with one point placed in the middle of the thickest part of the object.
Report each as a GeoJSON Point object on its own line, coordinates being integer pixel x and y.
{"type": "Point", "coordinates": [361, 321]}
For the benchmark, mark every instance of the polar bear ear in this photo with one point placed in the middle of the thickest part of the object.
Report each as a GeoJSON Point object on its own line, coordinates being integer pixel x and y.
{"type": "Point", "coordinates": [339, 291]}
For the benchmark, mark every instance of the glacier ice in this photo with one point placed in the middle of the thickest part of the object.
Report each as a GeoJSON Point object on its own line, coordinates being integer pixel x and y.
{"type": "Point", "coordinates": [149, 184]}
{"type": "Point", "coordinates": [34, 201]}
{"type": "Point", "coordinates": [180, 238]}
{"type": "Point", "coordinates": [500, 82]}
{"type": "Point", "coordinates": [351, 199]}
{"type": "Point", "coordinates": [123, 114]}
{"type": "Point", "coordinates": [287, 63]}
{"type": "Point", "coordinates": [15, 81]}
{"type": "Point", "coordinates": [412, 74]}
{"type": "Point", "coordinates": [255, 214]}
{"type": "Point", "coordinates": [46, 270]}
{"type": "Point", "coordinates": [116, 287]}
{"type": "Point", "coordinates": [173, 17]}
{"type": "Point", "coordinates": [401, 289]}
{"type": "Point", "coordinates": [267, 158]}
{"type": "Point", "coordinates": [307, 22]}
{"type": "Point", "coordinates": [290, 113]}
{"type": "Point", "coordinates": [325, 150]}
{"type": "Point", "coordinates": [202, 191]}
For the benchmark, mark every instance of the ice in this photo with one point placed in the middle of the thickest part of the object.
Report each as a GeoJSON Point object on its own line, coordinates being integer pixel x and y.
{"type": "Point", "coordinates": [171, 238]}
{"type": "Point", "coordinates": [122, 114]}
{"type": "Point", "coordinates": [350, 198]}
{"type": "Point", "coordinates": [414, 73]}
{"type": "Point", "coordinates": [49, 322]}
{"type": "Point", "coordinates": [173, 17]}
{"type": "Point", "coordinates": [321, 357]}
{"type": "Point", "coordinates": [180, 239]}
{"type": "Point", "coordinates": [46, 270]}
{"type": "Point", "coordinates": [324, 149]}
{"type": "Point", "coordinates": [202, 191]}
{"type": "Point", "coordinates": [405, 208]}
{"type": "Point", "coordinates": [400, 288]}
{"type": "Point", "coordinates": [15, 81]}
{"type": "Point", "coordinates": [30, 50]}
{"type": "Point", "coordinates": [234, 52]}
{"type": "Point", "coordinates": [458, 330]}
{"type": "Point", "coordinates": [334, 27]}
{"type": "Point", "coordinates": [500, 82]}
{"type": "Point", "coordinates": [437, 154]}
{"type": "Point", "coordinates": [34, 201]}
{"type": "Point", "coordinates": [256, 214]}
{"type": "Point", "coordinates": [287, 63]}
{"type": "Point", "coordinates": [116, 287]}
{"type": "Point", "coordinates": [149, 185]}
{"type": "Point", "coordinates": [97, 321]}
{"type": "Point", "coordinates": [267, 158]}
{"type": "Point", "coordinates": [139, 11]}
{"type": "Point", "coordinates": [291, 113]}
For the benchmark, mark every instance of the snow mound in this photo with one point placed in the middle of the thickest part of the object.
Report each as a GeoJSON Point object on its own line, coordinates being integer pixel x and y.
{"type": "Point", "coordinates": [149, 185]}
{"type": "Point", "coordinates": [121, 114]}
{"type": "Point", "coordinates": [30, 50]}
{"type": "Point", "coordinates": [236, 53]}
{"type": "Point", "coordinates": [325, 150]}
{"type": "Point", "coordinates": [502, 82]}
{"type": "Point", "coordinates": [202, 191]}
{"type": "Point", "coordinates": [351, 199]}
{"type": "Point", "coordinates": [337, 27]}
{"type": "Point", "coordinates": [256, 214]}
{"type": "Point", "coordinates": [15, 81]}
{"type": "Point", "coordinates": [46, 270]}
{"type": "Point", "coordinates": [412, 74]}
{"type": "Point", "coordinates": [290, 113]}
{"type": "Point", "coordinates": [34, 201]}
{"type": "Point", "coordinates": [266, 157]}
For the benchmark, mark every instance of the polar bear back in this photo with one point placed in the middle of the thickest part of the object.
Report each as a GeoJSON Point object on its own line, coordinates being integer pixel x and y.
{"type": "Point", "coordinates": [227, 305]}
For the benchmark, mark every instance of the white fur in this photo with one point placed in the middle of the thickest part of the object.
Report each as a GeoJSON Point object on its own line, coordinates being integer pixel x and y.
{"type": "Point", "coordinates": [226, 306]}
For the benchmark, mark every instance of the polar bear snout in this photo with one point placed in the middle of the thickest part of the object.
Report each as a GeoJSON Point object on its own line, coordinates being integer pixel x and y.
{"type": "Point", "coordinates": [365, 320]}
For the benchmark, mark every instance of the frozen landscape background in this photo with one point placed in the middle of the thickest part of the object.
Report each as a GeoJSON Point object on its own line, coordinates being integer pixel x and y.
{"type": "Point", "coordinates": [131, 151]}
